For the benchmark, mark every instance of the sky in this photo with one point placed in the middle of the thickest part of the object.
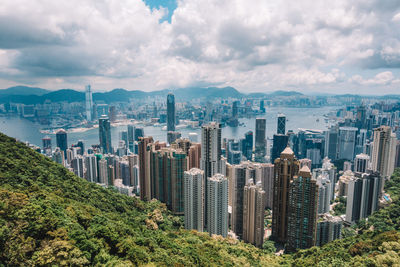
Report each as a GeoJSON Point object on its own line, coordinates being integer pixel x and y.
{"type": "Point", "coordinates": [321, 46]}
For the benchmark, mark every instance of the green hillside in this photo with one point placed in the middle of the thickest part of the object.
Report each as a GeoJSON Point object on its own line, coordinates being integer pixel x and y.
{"type": "Point", "coordinates": [50, 217]}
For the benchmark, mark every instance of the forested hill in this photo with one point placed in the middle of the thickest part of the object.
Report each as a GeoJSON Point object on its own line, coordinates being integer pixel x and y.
{"type": "Point", "coordinates": [50, 217]}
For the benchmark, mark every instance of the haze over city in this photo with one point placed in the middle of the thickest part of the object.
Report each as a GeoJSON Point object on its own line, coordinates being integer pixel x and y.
{"type": "Point", "coordinates": [328, 47]}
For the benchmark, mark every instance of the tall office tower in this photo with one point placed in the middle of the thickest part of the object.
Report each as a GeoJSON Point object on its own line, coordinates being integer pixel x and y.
{"type": "Point", "coordinates": [285, 168]}
{"type": "Point", "coordinates": [361, 141]}
{"type": "Point", "coordinates": [305, 162]}
{"type": "Point", "coordinates": [172, 136]}
{"type": "Point", "coordinates": [344, 182]}
{"type": "Point", "coordinates": [253, 214]}
{"type": "Point", "coordinates": [281, 126]}
{"type": "Point", "coordinates": [329, 228]}
{"type": "Point", "coordinates": [331, 143]}
{"type": "Point", "coordinates": [58, 156]}
{"type": "Point", "coordinates": [262, 106]}
{"type": "Point", "coordinates": [139, 132]}
{"type": "Point", "coordinates": [238, 181]}
{"type": "Point", "coordinates": [144, 168]}
{"type": "Point", "coordinates": [194, 156]}
{"type": "Point", "coordinates": [193, 137]}
{"type": "Point", "coordinates": [77, 165]}
{"type": "Point", "coordinates": [89, 103]}
{"type": "Point", "coordinates": [194, 199]}
{"type": "Point", "coordinates": [170, 112]}
{"type": "Point", "coordinates": [247, 145]}
{"type": "Point", "coordinates": [62, 142]}
{"type": "Point", "coordinates": [266, 174]}
{"type": "Point", "coordinates": [105, 135]}
{"type": "Point", "coordinates": [46, 141]}
{"type": "Point", "coordinates": [103, 171]}
{"type": "Point", "coordinates": [260, 142]}
{"type": "Point", "coordinates": [112, 113]}
{"type": "Point", "coordinates": [384, 152]}
{"type": "Point", "coordinates": [324, 193]}
{"type": "Point", "coordinates": [235, 109]}
{"type": "Point", "coordinates": [280, 142]}
{"type": "Point", "coordinates": [363, 196]}
{"type": "Point", "coordinates": [302, 211]}
{"type": "Point", "coordinates": [347, 142]}
{"type": "Point", "coordinates": [131, 138]}
{"type": "Point", "coordinates": [91, 168]}
{"type": "Point", "coordinates": [361, 163]}
{"type": "Point", "coordinates": [217, 205]}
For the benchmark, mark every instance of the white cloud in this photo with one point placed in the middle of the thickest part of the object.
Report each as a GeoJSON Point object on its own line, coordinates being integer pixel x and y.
{"type": "Point", "coordinates": [256, 46]}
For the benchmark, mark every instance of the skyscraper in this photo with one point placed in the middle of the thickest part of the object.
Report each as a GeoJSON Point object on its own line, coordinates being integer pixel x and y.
{"type": "Point", "coordinates": [144, 168]}
{"type": "Point", "coordinates": [302, 211]}
{"type": "Point", "coordinates": [286, 167]}
{"type": "Point", "coordinates": [363, 196]}
{"type": "Point", "coordinates": [210, 161]}
{"type": "Point", "coordinates": [217, 205]}
{"type": "Point", "coordinates": [194, 199]}
{"type": "Point", "coordinates": [238, 182]}
{"type": "Point", "coordinates": [260, 142]}
{"type": "Point", "coordinates": [253, 214]}
{"type": "Point", "coordinates": [105, 135]}
{"type": "Point", "coordinates": [77, 166]}
{"type": "Point", "coordinates": [62, 142]}
{"type": "Point", "coordinates": [347, 142]}
{"type": "Point", "coordinates": [281, 126]}
{"type": "Point", "coordinates": [89, 103]}
{"type": "Point", "coordinates": [384, 152]}
{"type": "Point", "coordinates": [247, 145]}
{"type": "Point", "coordinates": [91, 168]}
{"type": "Point", "coordinates": [170, 112]}
{"type": "Point", "coordinates": [280, 142]}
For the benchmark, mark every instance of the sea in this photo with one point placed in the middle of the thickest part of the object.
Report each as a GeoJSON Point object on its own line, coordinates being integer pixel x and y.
{"type": "Point", "coordinates": [307, 118]}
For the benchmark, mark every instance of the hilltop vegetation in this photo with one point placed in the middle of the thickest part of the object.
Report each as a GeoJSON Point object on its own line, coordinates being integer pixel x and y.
{"type": "Point", "coordinates": [48, 216]}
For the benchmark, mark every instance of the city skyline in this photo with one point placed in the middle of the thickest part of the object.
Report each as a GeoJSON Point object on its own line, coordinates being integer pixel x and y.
{"type": "Point", "coordinates": [329, 47]}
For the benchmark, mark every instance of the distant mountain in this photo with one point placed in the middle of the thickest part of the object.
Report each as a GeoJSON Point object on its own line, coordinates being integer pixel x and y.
{"type": "Point", "coordinates": [23, 90]}
{"type": "Point", "coordinates": [285, 93]}
{"type": "Point", "coordinates": [38, 95]}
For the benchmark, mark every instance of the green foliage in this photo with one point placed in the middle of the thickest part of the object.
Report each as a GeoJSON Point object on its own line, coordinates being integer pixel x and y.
{"type": "Point", "coordinates": [50, 217]}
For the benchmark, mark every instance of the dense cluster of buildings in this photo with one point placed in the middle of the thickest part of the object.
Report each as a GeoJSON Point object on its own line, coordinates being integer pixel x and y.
{"type": "Point", "coordinates": [224, 186]}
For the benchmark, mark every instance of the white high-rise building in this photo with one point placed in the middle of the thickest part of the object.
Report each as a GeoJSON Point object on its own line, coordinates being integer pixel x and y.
{"type": "Point", "coordinates": [328, 170]}
{"type": "Point", "coordinates": [217, 205]}
{"type": "Point", "coordinates": [194, 199]}
{"type": "Point", "coordinates": [89, 103]}
{"type": "Point", "coordinates": [324, 193]}
{"type": "Point", "coordinates": [253, 214]}
{"type": "Point", "coordinates": [384, 152]}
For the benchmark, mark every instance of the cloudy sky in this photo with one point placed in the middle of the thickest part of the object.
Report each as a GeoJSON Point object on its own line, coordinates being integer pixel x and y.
{"type": "Point", "coordinates": [322, 46]}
